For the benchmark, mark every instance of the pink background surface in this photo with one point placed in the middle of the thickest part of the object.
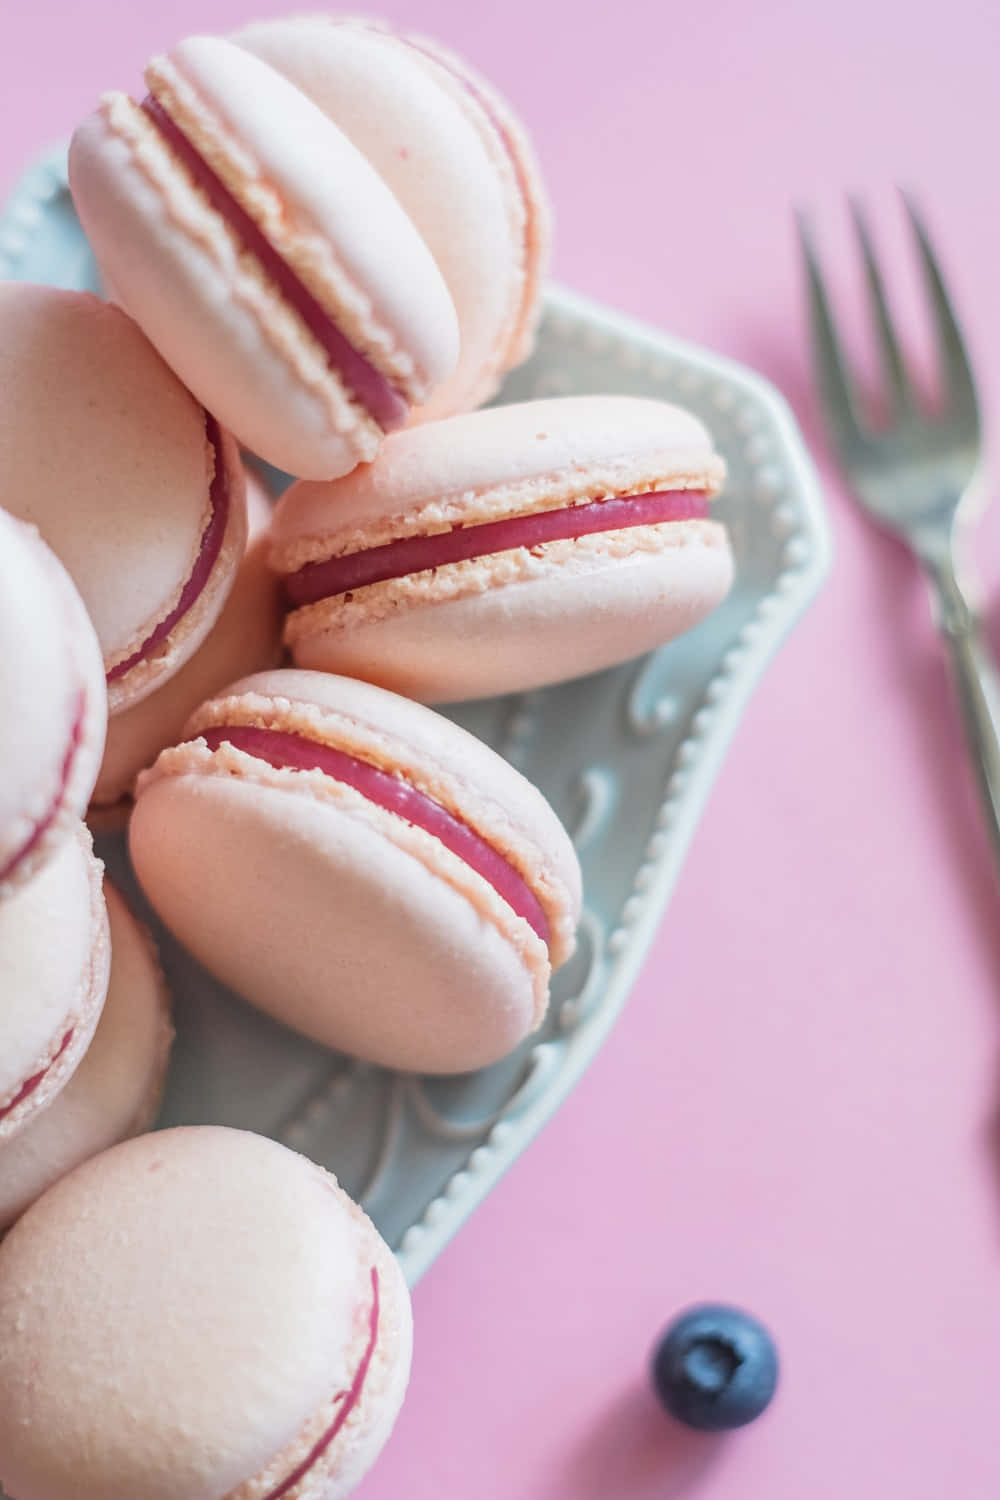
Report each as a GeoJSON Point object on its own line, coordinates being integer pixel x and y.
{"type": "Point", "coordinates": [797, 1111]}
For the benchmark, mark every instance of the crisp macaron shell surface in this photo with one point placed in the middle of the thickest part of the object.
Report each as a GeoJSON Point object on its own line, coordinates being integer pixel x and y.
{"type": "Point", "coordinates": [457, 160]}
{"type": "Point", "coordinates": [507, 548]}
{"type": "Point", "coordinates": [135, 488]}
{"type": "Point", "coordinates": [54, 969]}
{"type": "Point", "coordinates": [264, 257]}
{"type": "Point", "coordinates": [212, 1318]}
{"type": "Point", "coordinates": [245, 638]}
{"type": "Point", "coordinates": [361, 868]}
{"type": "Point", "coordinates": [116, 1089]}
{"type": "Point", "coordinates": [53, 703]}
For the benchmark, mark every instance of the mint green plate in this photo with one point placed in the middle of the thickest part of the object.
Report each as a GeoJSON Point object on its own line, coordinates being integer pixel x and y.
{"type": "Point", "coordinates": [627, 757]}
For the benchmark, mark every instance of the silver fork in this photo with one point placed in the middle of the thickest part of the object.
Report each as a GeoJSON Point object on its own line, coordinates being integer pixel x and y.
{"type": "Point", "coordinates": [917, 473]}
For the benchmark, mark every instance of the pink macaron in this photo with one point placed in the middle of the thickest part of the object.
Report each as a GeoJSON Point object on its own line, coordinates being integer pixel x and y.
{"type": "Point", "coordinates": [115, 1092]}
{"type": "Point", "coordinates": [134, 487]}
{"type": "Point", "coordinates": [53, 703]}
{"type": "Point", "coordinates": [54, 967]}
{"type": "Point", "coordinates": [264, 256]}
{"type": "Point", "coordinates": [198, 1314]}
{"type": "Point", "coordinates": [361, 868]}
{"type": "Point", "coordinates": [457, 159]}
{"type": "Point", "coordinates": [507, 548]}
{"type": "Point", "coordinates": [245, 638]}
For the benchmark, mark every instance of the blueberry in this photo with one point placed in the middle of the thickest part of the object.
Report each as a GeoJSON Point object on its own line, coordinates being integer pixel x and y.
{"type": "Point", "coordinates": [715, 1368]}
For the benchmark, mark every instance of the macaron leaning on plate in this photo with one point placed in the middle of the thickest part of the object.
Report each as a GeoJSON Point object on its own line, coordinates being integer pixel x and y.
{"type": "Point", "coordinates": [458, 161]}
{"type": "Point", "coordinates": [133, 485]}
{"type": "Point", "coordinates": [54, 967]}
{"type": "Point", "coordinates": [53, 703]}
{"type": "Point", "coordinates": [507, 548]}
{"type": "Point", "coordinates": [245, 638]}
{"type": "Point", "coordinates": [197, 1314]}
{"type": "Point", "coordinates": [264, 256]}
{"type": "Point", "coordinates": [115, 1092]}
{"type": "Point", "coordinates": [361, 868]}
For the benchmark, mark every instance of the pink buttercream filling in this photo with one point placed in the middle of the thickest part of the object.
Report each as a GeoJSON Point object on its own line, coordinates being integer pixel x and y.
{"type": "Point", "coordinates": [417, 554]}
{"type": "Point", "coordinates": [295, 751]}
{"type": "Point", "coordinates": [43, 825]}
{"type": "Point", "coordinates": [368, 386]}
{"type": "Point", "coordinates": [37, 1079]}
{"type": "Point", "coordinates": [208, 555]}
{"type": "Point", "coordinates": [349, 1400]}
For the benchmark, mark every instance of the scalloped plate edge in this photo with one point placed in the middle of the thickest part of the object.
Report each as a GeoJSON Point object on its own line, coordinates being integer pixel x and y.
{"type": "Point", "coordinates": [691, 777]}
{"type": "Point", "coordinates": [696, 764]}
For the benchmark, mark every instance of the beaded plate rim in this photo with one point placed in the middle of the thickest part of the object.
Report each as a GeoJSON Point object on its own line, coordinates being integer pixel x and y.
{"type": "Point", "coordinates": [783, 476]}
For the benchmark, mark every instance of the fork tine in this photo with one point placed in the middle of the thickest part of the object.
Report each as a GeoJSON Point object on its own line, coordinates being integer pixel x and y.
{"type": "Point", "coordinates": [832, 375]}
{"type": "Point", "coordinates": [960, 387]}
{"type": "Point", "coordinates": [891, 356]}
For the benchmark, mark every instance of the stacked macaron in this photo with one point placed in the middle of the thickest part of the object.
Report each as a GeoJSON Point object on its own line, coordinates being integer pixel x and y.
{"type": "Point", "coordinates": [322, 242]}
{"type": "Point", "coordinates": [84, 1029]}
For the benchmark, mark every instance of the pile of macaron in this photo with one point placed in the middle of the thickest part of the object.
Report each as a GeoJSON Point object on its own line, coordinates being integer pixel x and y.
{"type": "Point", "coordinates": [322, 246]}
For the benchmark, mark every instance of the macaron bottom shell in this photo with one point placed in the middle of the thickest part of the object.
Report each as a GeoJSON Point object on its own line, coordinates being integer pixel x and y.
{"type": "Point", "coordinates": [523, 619]}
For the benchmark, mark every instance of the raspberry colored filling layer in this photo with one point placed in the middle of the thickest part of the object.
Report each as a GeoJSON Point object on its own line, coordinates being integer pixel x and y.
{"type": "Point", "coordinates": [43, 825]}
{"type": "Point", "coordinates": [417, 554]}
{"type": "Point", "coordinates": [348, 1399]}
{"type": "Point", "coordinates": [37, 1079]}
{"type": "Point", "coordinates": [295, 751]}
{"type": "Point", "coordinates": [208, 555]}
{"type": "Point", "coordinates": [368, 386]}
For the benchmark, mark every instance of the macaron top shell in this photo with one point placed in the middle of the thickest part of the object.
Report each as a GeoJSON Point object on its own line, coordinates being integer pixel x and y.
{"type": "Point", "coordinates": [54, 964]}
{"type": "Point", "coordinates": [53, 703]}
{"type": "Point", "coordinates": [115, 1090]}
{"type": "Point", "coordinates": [112, 459]}
{"type": "Point", "coordinates": [205, 297]}
{"type": "Point", "coordinates": [457, 161]}
{"type": "Point", "coordinates": [199, 1299]}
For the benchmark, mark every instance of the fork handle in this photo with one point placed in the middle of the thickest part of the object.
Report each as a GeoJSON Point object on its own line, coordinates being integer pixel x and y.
{"type": "Point", "coordinates": [978, 688]}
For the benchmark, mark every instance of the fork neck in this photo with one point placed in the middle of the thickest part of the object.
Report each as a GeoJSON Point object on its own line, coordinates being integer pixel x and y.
{"type": "Point", "coordinates": [957, 615]}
